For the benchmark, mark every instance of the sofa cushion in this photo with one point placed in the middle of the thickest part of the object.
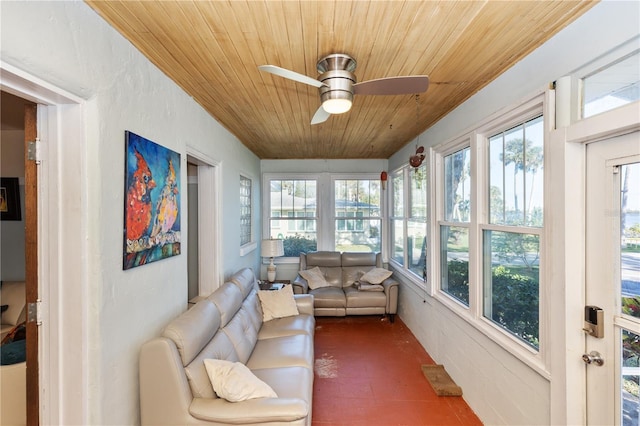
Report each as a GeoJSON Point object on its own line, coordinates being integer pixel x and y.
{"type": "Point", "coordinates": [329, 263]}
{"type": "Point", "coordinates": [364, 299]}
{"type": "Point", "coordinates": [277, 303]}
{"type": "Point", "coordinates": [315, 278]}
{"type": "Point", "coordinates": [328, 297]}
{"type": "Point", "coordinates": [289, 382]}
{"type": "Point", "coordinates": [289, 326]}
{"type": "Point", "coordinates": [376, 275]}
{"type": "Point", "coordinates": [189, 339]}
{"type": "Point", "coordinates": [228, 298]}
{"type": "Point", "coordinates": [245, 279]}
{"type": "Point", "coordinates": [242, 331]}
{"type": "Point", "coordinates": [286, 351]}
{"type": "Point", "coordinates": [234, 382]}
{"type": "Point", "coordinates": [220, 347]}
{"type": "Point", "coordinates": [358, 259]}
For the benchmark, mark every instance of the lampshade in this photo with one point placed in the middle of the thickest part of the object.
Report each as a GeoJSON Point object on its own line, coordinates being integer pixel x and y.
{"type": "Point", "coordinates": [272, 248]}
{"type": "Point", "coordinates": [336, 106]}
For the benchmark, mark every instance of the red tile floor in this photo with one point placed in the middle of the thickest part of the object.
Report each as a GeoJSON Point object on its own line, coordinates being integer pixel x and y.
{"type": "Point", "coordinates": [368, 372]}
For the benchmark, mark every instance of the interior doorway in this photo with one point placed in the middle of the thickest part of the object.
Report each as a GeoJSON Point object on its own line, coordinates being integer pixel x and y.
{"type": "Point", "coordinates": [19, 261]}
{"type": "Point", "coordinates": [59, 123]}
{"type": "Point", "coordinates": [204, 180]}
{"type": "Point", "coordinates": [192, 220]}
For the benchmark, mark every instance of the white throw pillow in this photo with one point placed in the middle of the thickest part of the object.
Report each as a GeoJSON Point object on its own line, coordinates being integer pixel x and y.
{"type": "Point", "coordinates": [278, 303]}
{"type": "Point", "coordinates": [376, 275]}
{"type": "Point", "coordinates": [314, 277]}
{"type": "Point", "coordinates": [234, 382]}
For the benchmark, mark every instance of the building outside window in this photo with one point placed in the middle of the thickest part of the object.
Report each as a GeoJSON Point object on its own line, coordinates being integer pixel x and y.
{"type": "Point", "coordinates": [357, 215]}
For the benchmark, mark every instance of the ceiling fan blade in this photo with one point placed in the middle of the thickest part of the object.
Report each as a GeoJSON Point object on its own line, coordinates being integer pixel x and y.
{"type": "Point", "coordinates": [393, 85]}
{"type": "Point", "coordinates": [320, 116]}
{"type": "Point", "coordinates": [291, 75]}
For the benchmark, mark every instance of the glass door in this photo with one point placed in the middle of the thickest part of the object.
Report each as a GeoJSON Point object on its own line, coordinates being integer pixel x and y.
{"type": "Point", "coordinates": [613, 280]}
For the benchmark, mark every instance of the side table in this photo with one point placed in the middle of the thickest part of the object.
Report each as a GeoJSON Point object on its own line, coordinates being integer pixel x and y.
{"type": "Point", "coordinates": [276, 285]}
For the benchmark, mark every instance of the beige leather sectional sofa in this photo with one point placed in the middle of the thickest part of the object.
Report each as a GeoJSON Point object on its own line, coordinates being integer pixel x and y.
{"type": "Point", "coordinates": [175, 387]}
{"type": "Point", "coordinates": [343, 295]}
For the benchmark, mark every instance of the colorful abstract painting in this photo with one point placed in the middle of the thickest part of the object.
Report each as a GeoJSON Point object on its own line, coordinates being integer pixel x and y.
{"type": "Point", "coordinates": [152, 202]}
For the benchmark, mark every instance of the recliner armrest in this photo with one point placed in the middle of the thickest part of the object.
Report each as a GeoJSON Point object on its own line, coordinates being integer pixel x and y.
{"type": "Point", "coordinates": [388, 283]}
{"type": "Point", "coordinates": [300, 285]}
{"type": "Point", "coordinates": [304, 302]}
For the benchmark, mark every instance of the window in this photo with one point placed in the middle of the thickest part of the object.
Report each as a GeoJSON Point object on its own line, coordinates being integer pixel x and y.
{"type": "Point", "coordinates": [397, 216]}
{"type": "Point", "coordinates": [357, 215]}
{"type": "Point", "coordinates": [511, 239]}
{"type": "Point", "coordinates": [293, 214]}
{"type": "Point", "coordinates": [245, 210]}
{"type": "Point", "coordinates": [417, 222]}
{"type": "Point", "coordinates": [409, 219]}
{"type": "Point", "coordinates": [489, 196]}
{"type": "Point", "coordinates": [454, 226]}
{"type": "Point", "coordinates": [611, 87]}
{"type": "Point", "coordinates": [324, 211]}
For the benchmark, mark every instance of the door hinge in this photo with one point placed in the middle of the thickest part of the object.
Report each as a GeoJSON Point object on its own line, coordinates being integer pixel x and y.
{"type": "Point", "coordinates": [33, 151]}
{"type": "Point", "coordinates": [34, 312]}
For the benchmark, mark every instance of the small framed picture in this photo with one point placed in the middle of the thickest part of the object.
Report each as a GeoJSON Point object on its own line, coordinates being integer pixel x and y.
{"type": "Point", "coordinates": [10, 199]}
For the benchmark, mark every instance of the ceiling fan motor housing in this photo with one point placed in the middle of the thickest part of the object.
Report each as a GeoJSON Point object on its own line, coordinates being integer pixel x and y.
{"type": "Point", "coordinates": [336, 73]}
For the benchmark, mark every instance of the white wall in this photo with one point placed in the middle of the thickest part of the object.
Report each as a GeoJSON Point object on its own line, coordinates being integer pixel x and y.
{"type": "Point", "coordinates": [499, 387]}
{"type": "Point", "coordinates": [68, 45]}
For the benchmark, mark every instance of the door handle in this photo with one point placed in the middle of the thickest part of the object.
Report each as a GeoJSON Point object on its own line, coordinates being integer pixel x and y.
{"type": "Point", "coordinates": [593, 357]}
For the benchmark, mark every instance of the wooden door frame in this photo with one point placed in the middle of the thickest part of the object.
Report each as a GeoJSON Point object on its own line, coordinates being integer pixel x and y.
{"type": "Point", "coordinates": [62, 380]}
{"type": "Point", "coordinates": [31, 263]}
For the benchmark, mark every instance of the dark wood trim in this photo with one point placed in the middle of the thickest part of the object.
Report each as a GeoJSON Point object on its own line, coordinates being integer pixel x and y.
{"type": "Point", "coordinates": [31, 264]}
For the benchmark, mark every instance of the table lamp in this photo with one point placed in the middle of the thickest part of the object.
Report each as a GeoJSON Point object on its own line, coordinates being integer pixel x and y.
{"type": "Point", "coordinates": [271, 248]}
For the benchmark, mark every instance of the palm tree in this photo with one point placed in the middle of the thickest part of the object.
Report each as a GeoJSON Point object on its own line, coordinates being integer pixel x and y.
{"type": "Point", "coordinates": [527, 160]}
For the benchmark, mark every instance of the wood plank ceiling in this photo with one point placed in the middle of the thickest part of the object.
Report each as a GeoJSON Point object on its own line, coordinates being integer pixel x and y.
{"type": "Point", "coordinates": [212, 50]}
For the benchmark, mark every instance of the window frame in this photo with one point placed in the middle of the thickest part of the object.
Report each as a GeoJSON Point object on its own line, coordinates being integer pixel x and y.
{"type": "Point", "coordinates": [251, 245]}
{"type": "Point", "coordinates": [325, 217]}
{"type": "Point", "coordinates": [478, 140]}
{"type": "Point", "coordinates": [403, 268]}
{"type": "Point", "coordinates": [282, 220]}
{"type": "Point", "coordinates": [335, 218]}
{"type": "Point", "coordinates": [439, 183]}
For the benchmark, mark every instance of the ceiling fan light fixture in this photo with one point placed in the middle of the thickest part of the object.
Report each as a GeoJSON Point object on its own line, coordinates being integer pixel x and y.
{"type": "Point", "coordinates": [337, 106]}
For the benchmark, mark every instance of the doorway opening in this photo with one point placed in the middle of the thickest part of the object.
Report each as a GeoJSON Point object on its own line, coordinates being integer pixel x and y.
{"type": "Point", "coordinates": [204, 253]}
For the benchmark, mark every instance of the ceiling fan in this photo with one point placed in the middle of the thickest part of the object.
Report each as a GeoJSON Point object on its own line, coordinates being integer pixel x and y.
{"type": "Point", "coordinates": [337, 84]}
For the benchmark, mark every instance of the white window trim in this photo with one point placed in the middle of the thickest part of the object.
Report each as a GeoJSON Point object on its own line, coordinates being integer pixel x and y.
{"type": "Point", "coordinates": [332, 217]}
{"type": "Point", "coordinates": [252, 244]}
{"type": "Point", "coordinates": [477, 140]}
{"type": "Point", "coordinates": [402, 269]}
{"type": "Point", "coordinates": [325, 193]}
{"type": "Point", "coordinates": [439, 153]}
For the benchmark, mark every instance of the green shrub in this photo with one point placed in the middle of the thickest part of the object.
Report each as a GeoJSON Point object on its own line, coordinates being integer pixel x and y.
{"type": "Point", "coordinates": [458, 280]}
{"type": "Point", "coordinates": [297, 244]}
{"type": "Point", "coordinates": [515, 303]}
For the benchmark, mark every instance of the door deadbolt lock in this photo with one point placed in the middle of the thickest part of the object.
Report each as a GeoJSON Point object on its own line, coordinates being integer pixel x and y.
{"type": "Point", "coordinates": [593, 357]}
{"type": "Point", "coordinates": [594, 321]}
